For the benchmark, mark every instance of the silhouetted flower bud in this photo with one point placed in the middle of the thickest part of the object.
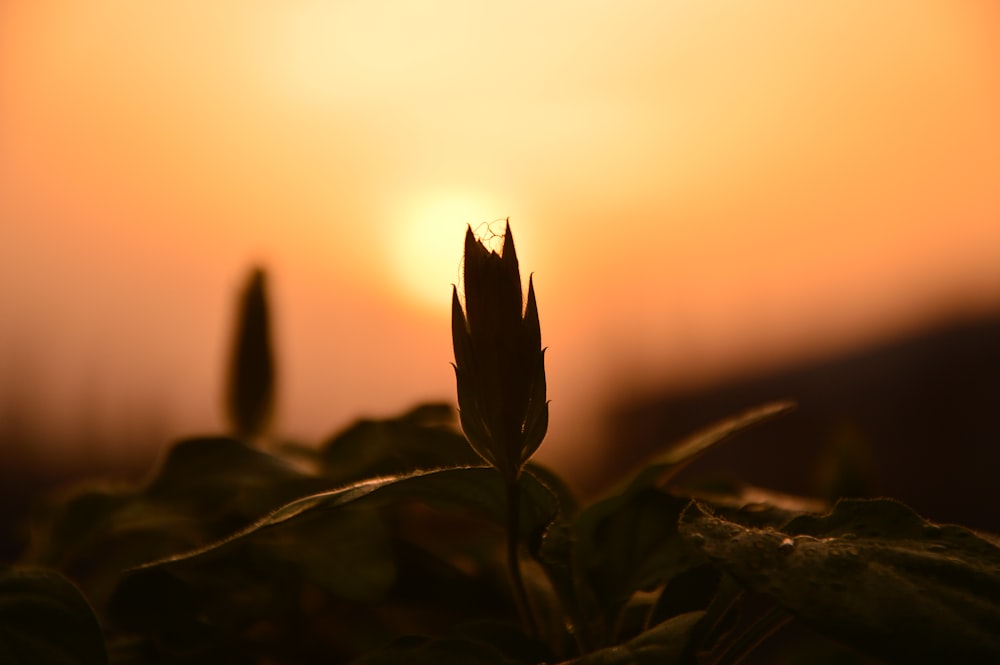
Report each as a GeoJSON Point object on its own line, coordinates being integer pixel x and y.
{"type": "Point", "coordinates": [499, 360]}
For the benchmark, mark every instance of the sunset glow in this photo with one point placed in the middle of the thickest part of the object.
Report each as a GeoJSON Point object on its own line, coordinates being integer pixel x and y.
{"type": "Point", "coordinates": [700, 189]}
{"type": "Point", "coordinates": [422, 243]}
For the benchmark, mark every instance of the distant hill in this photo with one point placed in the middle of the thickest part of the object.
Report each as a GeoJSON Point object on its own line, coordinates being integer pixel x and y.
{"type": "Point", "coordinates": [917, 419]}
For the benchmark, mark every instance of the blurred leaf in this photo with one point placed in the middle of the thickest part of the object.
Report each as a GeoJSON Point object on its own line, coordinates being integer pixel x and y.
{"type": "Point", "coordinates": [204, 490]}
{"type": "Point", "coordinates": [423, 438]}
{"type": "Point", "coordinates": [69, 524]}
{"type": "Point", "coordinates": [215, 485]}
{"type": "Point", "coordinates": [45, 619]}
{"type": "Point", "coordinates": [872, 574]}
{"type": "Point", "coordinates": [847, 465]}
{"type": "Point", "coordinates": [679, 455]}
{"type": "Point", "coordinates": [666, 643]}
{"type": "Point", "coordinates": [251, 371]}
{"type": "Point", "coordinates": [219, 478]}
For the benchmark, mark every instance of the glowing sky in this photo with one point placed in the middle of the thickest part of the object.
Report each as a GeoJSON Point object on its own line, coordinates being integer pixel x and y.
{"type": "Point", "coordinates": [700, 188]}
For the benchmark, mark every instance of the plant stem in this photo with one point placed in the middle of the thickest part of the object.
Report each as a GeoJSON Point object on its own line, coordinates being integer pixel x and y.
{"type": "Point", "coordinates": [514, 559]}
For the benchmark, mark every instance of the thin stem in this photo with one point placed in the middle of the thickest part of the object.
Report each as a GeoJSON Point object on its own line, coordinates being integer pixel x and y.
{"type": "Point", "coordinates": [514, 559]}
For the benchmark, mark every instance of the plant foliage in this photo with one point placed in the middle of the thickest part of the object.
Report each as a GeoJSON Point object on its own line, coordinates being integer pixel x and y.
{"type": "Point", "coordinates": [396, 541]}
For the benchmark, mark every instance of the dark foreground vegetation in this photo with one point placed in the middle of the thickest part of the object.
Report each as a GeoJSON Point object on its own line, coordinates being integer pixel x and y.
{"type": "Point", "coordinates": [409, 540]}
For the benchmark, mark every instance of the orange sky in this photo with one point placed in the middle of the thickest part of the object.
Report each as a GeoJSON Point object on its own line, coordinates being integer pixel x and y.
{"type": "Point", "coordinates": [701, 189]}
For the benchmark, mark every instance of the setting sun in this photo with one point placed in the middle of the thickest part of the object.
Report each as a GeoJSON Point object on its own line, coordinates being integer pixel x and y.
{"type": "Point", "coordinates": [425, 244]}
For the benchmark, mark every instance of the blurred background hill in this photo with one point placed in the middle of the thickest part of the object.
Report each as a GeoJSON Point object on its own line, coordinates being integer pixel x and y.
{"type": "Point", "coordinates": [913, 419]}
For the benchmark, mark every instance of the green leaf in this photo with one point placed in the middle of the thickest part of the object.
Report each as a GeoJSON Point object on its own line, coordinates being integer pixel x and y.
{"type": "Point", "coordinates": [666, 643]}
{"type": "Point", "coordinates": [872, 574]}
{"type": "Point", "coordinates": [45, 619]}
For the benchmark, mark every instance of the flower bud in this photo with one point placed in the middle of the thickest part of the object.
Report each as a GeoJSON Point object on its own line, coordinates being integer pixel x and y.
{"type": "Point", "coordinates": [499, 360]}
{"type": "Point", "coordinates": [250, 397]}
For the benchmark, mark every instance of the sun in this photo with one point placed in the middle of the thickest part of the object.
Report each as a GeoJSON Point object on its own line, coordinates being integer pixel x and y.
{"type": "Point", "coordinates": [425, 248]}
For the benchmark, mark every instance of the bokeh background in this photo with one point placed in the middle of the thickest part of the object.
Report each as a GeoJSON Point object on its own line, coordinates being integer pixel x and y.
{"type": "Point", "coordinates": [706, 193]}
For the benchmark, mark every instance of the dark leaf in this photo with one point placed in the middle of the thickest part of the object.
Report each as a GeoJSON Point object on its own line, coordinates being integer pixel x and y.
{"type": "Point", "coordinates": [222, 478]}
{"type": "Point", "coordinates": [475, 488]}
{"type": "Point", "coordinates": [45, 619]}
{"type": "Point", "coordinates": [205, 486]}
{"type": "Point", "coordinates": [679, 455]}
{"type": "Point", "coordinates": [754, 506]}
{"type": "Point", "coordinates": [872, 574]}
{"type": "Point", "coordinates": [204, 490]}
{"type": "Point", "coordinates": [346, 553]}
{"type": "Point", "coordinates": [694, 589]}
{"type": "Point", "coordinates": [629, 543]}
{"type": "Point", "coordinates": [666, 643]}
{"type": "Point", "coordinates": [333, 539]}
{"type": "Point", "coordinates": [577, 607]}
{"type": "Point", "coordinates": [566, 500]}
{"type": "Point", "coordinates": [72, 524]}
{"type": "Point", "coordinates": [423, 438]}
{"type": "Point", "coordinates": [444, 651]}
{"type": "Point", "coordinates": [508, 640]}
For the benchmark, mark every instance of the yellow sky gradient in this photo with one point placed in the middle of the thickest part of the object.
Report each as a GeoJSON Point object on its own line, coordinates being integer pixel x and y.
{"type": "Point", "coordinates": [700, 188]}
